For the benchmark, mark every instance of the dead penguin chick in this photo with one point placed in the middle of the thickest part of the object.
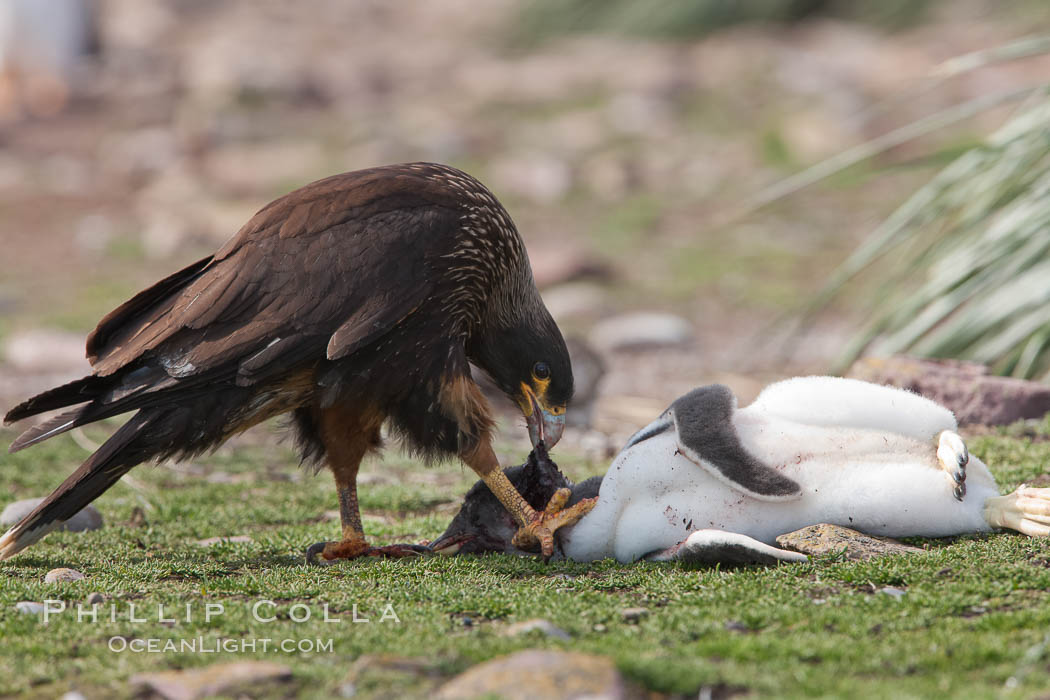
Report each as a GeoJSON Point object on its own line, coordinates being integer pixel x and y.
{"type": "Point", "coordinates": [708, 482]}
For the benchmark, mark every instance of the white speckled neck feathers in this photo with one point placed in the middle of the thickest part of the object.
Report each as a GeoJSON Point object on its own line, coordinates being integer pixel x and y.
{"type": "Point", "coordinates": [490, 261]}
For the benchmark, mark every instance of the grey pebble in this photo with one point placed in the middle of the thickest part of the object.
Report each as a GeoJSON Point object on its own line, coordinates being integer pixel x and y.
{"type": "Point", "coordinates": [87, 519]}
{"type": "Point", "coordinates": [547, 627]}
{"type": "Point", "coordinates": [634, 614]}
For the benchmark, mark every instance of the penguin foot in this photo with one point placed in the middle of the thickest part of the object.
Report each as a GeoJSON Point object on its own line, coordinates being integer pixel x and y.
{"type": "Point", "coordinates": [1026, 510]}
{"type": "Point", "coordinates": [953, 456]}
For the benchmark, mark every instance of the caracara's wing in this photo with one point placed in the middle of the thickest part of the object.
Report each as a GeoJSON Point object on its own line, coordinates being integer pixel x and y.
{"type": "Point", "coordinates": [318, 272]}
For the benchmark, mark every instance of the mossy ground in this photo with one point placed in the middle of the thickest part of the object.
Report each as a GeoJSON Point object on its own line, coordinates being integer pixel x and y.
{"type": "Point", "coordinates": [974, 621]}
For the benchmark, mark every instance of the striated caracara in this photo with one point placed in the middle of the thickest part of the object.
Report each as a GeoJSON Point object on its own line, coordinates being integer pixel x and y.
{"type": "Point", "coordinates": [353, 301]}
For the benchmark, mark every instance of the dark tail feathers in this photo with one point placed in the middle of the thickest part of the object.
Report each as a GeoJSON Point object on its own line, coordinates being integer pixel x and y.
{"type": "Point", "coordinates": [79, 391]}
{"type": "Point", "coordinates": [76, 392]}
{"type": "Point", "coordinates": [102, 397]}
{"type": "Point", "coordinates": [100, 471]}
{"type": "Point", "coordinates": [49, 428]}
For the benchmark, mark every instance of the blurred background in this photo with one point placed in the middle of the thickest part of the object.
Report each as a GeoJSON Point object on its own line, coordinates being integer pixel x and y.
{"type": "Point", "coordinates": [657, 159]}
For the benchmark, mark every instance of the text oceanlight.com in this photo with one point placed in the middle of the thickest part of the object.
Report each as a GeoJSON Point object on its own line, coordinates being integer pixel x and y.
{"type": "Point", "coordinates": [200, 645]}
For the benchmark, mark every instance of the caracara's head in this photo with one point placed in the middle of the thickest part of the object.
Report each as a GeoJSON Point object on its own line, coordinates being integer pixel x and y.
{"type": "Point", "coordinates": [529, 362]}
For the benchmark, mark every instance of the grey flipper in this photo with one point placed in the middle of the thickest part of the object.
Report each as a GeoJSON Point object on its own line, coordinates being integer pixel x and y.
{"type": "Point", "coordinates": [711, 547]}
{"type": "Point", "coordinates": [703, 419]}
{"type": "Point", "coordinates": [657, 427]}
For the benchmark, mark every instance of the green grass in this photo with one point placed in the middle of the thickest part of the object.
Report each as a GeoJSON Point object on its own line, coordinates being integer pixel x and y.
{"type": "Point", "coordinates": [976, 612]}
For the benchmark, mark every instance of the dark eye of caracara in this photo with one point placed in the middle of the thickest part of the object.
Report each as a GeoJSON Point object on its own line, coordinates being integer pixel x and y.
{"type": "Point", "coordinates": [541, 371]}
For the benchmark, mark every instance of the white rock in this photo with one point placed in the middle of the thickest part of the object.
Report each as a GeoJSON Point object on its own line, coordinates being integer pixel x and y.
{"type": "Point", "coordinates": [44, 350]}
{"type": "Point", "coordinates": [540, 178]}
{"type": "Point", "coordinates": [29, 608]}
{"type": "Point", "coordinates": [641, 330]}
{"type": "Point", "coordinates": [87, 519]}
{"type": "Point", "coordinates": [547, 627]}
{"type": "Point", "coordinates": [893, 592]}
{"type": "Point", "coordinates": [575, 300]}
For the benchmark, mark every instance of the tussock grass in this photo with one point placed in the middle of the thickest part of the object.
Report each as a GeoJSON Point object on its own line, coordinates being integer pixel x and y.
{"type": "Point", "coordinates": [970, 252]}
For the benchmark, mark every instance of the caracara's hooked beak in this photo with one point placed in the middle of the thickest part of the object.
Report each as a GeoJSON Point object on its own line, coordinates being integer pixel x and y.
{"type": "Point", "coordinates": [546, 423]}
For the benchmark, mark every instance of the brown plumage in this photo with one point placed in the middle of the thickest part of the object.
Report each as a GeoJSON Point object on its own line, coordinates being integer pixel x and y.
{"type": "Point", "coordinates": [357, 299]}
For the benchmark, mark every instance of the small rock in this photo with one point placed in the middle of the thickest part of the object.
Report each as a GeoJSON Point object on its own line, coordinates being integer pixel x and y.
{"type": "Point", "coordinates": [140, 153]}
{"type": "Point", "coordinates": [896, 593]}
{"type": "Point", "coordinates": [95, 599]}
{"type": "Point", "coordinates": [641, 330]}
{"type": "Point", "coordinates": [588, 369]}
{"type": "Point", "coordinates": [576, 300]}
{"type": "Point", "coordinates": [73, 695]}
{"type": "Point", "coordinates": [44, 350]}
{"type": "Point", "coordinates": [965, 388]}
{"type": "Point", "coordinates": [255, 167]}
{"type": "Point", "coordinates": [211, 541]}
{"type": "Point", "coordinates": [386, 670]}
{"type": "Point", "coordinates": [219, 478]}
{"type": "Point", "coordinates": [541, 674]}
{"type": "Point", "coordinates": [228, 679]}
{"type": "Point", "coordinates": [639, 113]}
{"type": "Point", "coordinates": [815, 134]}
{"type": "Point", "coordinates": [634, 614]}
{"type": "Point", "coordinates": [29, 608]}
{"type": "Point", "coordinates": [93, 234]}
{"type": "Point", "coordinates": [721, 691]}
{"type": "Point", "coordinates": [62, 575]}
{"type": "Point", "coordinates": [87, 519]}
{"type": "Point", "coordinates": [545, 626]}
{"type": "Point", "coordinates": [537, 177]}
{"type": "Point", "coordinates": [599, 628]}
{"type": "Point", "coordinates": [555, 265]}
{"type": "Point", "coordinates": [817, 540]}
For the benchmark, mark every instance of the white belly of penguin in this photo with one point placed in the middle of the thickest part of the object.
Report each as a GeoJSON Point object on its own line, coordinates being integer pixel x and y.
{"type": "Point", "coordinates": [875, 481]}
